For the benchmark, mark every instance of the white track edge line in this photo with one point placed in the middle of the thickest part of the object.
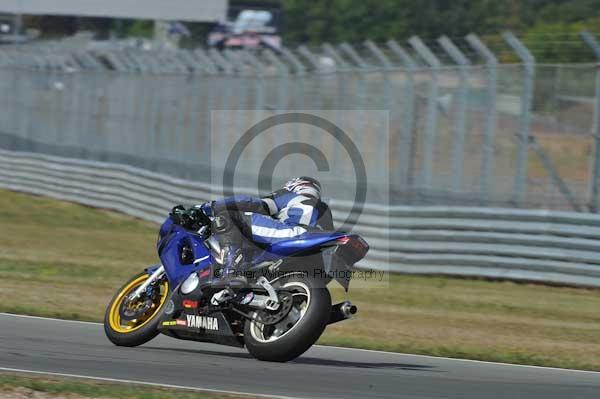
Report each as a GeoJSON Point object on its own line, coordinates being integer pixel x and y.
{"type": "Point", "coordinates": [459, 359]}
{"type": "Point", "coordinates": [26, 316]}
{"type": "Point", "coordinates": [152, 384]}
{"type": "Point", "coordinates": [356, 349]}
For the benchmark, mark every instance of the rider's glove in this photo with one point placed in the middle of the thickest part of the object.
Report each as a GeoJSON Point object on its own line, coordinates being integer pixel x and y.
{"type": "Point", "coordinates": [179, 215]}
{"type": "Point", "coordinates": [191, 219]}
{"type": "Point", "coordinates": [199, 217]}
{"type": "Point", "coordinates": [206, 208]}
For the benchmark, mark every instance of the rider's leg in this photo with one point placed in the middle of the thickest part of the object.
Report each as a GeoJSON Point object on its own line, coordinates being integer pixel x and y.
{"type": "Point", "coordinates": [229, 227]}
{"type": "Point", "coordinates": [259, 229]}
{"type": "Point", "coordinates": [266, 230]}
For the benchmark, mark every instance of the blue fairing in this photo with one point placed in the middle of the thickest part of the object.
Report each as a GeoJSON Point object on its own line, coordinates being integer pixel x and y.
{"type": "Point", "coordinates": [303, 242]}
{"type": "Point", "coordinates": [173, 238]}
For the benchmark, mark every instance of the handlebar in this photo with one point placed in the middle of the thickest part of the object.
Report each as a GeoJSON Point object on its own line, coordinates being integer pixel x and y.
{"type": "Point", "coordinates": [191, 219]}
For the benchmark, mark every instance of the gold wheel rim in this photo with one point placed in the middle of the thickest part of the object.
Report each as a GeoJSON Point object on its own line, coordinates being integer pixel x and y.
{"type": "Point", "coordinates": [114, 318]}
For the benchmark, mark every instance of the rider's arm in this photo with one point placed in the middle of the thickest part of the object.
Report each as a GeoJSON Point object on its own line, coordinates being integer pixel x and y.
{"type": "Point", "coordinates": [271, 203]}
{"type": "Point", "coordinates": [302, 213]}
{"type": "Point", "coordinates": [240, 203]}
{"type": "Point", "coordinates": [325, 220]}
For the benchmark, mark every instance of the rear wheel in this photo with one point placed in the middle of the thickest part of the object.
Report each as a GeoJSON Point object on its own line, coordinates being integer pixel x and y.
{"type": "Point", "coordinates": [300, 329]}
{"type": "Point", "coordinates": [134, 322]}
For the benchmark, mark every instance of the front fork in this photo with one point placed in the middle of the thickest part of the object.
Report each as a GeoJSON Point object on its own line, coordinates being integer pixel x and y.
{"type": "Point", "coordinates": [155, 276]}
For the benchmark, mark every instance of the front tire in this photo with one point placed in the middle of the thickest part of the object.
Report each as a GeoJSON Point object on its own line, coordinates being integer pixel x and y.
{"type": "Point", "coordinates": [142, 326]}
{"type": "Point", "coordinates": [287, 340]}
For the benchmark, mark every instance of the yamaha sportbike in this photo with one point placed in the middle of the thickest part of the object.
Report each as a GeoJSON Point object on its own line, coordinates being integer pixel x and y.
{"type": "Point", "coordinates": [278, 315]}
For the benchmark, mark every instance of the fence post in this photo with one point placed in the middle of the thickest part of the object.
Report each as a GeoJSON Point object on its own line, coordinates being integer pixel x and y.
{"type": "Point", "coordinates": [319, 71]}
{"type": "Point", "coordinates": [340, 77]}
{"type": "Point", "coordinates": [310, 57]}
{"type": "Point", "coordinates": [432, 103]}
{"type": "Point", "coordinates": [384, 144]}
{"type": "Point", "coordinates": [520, 185]}
{"type": "Point", "coordinates": [591, 41]}
{"type": "Point", "coordinates": [259, 73]}
{"type": "Point", "coordinates": [332, 52]}
{"type": "Point", "coordinates": [407, 142]}
{"type": "Point", "coordinates": [283, 73]}
{"type": "Point", "coordinates": [460, 123]}
{"type": "Point", "coordinates": [229, 64]}
{"type": "Point", "coordinates": [235, 61]}
{"type": "Point", "coordinates": [315, 83]}
{"type": "Point", "coordinates": [361, 68]}
{"type": "Point", "coordinates": [282, 81]}
{"type": "Point", "coordinates": [193, 65]}
{"type": "Point", "coordinates": [299, 68]}
{"type": "Point", "coordinates": [259, 98]}
{"type": "Point", "coordinates": [18, 114]}
{"type": "Point", "coordinates": [487, 159]}
{"type": "Point", "coordinates": [297, 87]}
{"type": "Point", "coordinates": [381, 57]}
{"type": "Point", "coordinates": [341, 66]}
{"type": "Point", "coordinates": [234, 82]}
{"type": "Point", "coordinates": [197, 100]}
{"type": "Point", "coordinates": [207, 63]}
{"type": "Point", "coordinates": [357, 59]}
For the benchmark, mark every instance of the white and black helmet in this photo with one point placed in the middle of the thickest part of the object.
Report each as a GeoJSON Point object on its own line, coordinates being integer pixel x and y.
{"type": "Point", "coordinates": [304, 185]}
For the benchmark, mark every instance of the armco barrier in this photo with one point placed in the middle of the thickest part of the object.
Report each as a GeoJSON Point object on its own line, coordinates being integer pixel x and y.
{"type": "Point", "coordinates": [537, 245]}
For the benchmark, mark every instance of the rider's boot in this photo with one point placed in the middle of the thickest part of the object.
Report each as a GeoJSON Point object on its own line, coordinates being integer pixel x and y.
{"type": "Point", "coordinates": [230, 278]}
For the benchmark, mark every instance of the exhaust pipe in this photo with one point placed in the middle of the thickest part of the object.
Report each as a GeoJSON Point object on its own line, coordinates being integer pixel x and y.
{"type": "Point", "coordinates": [342, 311]}
{"type": "Point", "coordinates": [348, 309]}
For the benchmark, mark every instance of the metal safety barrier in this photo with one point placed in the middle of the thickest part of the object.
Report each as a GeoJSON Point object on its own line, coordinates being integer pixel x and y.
{"type": "Point", "coordinates": [463, 121]}
{"type": "Point", "coordinates": [536, 245]}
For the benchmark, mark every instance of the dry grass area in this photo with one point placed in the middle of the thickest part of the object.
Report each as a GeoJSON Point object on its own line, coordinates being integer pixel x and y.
{"type": "Point", "coordinates": [499, 321]}
{"type": "Point", "coordinates": [64, 260]}
{"type": "Point", "coordinates": [13, 386]}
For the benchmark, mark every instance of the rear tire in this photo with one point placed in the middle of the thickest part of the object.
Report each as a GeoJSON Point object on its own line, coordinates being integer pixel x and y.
{"type": "Point", "coordinates": [130, 334]}
{"type": "Point", "coordinates": [303, 334]}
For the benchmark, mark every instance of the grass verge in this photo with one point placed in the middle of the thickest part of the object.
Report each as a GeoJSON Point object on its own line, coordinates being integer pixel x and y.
{"type": "Point", "coordinates": [64, 260]}
{"type": "Point", "coordinates": [16, 386]}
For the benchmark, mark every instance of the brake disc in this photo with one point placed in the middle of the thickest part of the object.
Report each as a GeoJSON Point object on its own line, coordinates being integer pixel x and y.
{"type": "Point", "coordinates": [270, 317]}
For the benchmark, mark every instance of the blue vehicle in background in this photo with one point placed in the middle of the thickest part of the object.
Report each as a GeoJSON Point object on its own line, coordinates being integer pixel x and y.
{"type": "Point", "coordinates": [277, 316]}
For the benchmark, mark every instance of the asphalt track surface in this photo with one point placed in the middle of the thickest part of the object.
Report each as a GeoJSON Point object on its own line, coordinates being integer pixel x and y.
{"type": "Point", "coordinates": [81, 349]}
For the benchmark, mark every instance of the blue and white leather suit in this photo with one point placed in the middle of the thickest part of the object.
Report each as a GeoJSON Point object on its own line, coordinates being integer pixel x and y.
{"type": "Point", "coordinates": [282, 215]}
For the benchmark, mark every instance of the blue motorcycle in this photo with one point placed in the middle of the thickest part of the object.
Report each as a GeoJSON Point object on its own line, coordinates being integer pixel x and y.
{"type": "Point", "coordinates": [278, 315]}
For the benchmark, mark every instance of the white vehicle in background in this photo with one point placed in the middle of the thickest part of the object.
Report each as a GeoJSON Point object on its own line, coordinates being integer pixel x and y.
{"type": "Point", "coordinates": [248, 29]}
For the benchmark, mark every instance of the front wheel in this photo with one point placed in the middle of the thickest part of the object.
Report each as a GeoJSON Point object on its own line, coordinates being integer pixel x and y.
{"type": "Point", "coordinates": [133, 323]}
{"type": "Point", "coordinates": [300, 329]}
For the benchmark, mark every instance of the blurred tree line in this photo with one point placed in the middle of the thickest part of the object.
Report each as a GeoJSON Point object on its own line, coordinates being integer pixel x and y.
{"type": "Point", "coordinates": [545, 25]}
{"type": "Point", "coordinates": [356, 20]}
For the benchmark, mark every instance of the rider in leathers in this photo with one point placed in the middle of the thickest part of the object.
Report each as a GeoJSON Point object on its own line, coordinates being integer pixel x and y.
{"type": "Point", "coordinates": [241, 221]}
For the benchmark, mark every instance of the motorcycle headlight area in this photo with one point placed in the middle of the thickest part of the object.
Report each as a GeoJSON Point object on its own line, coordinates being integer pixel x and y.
{"type": "Point", "coordinates": [190, 283]}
